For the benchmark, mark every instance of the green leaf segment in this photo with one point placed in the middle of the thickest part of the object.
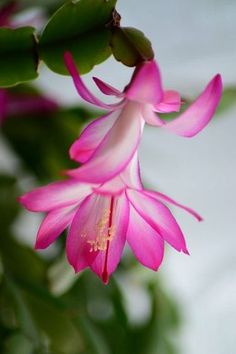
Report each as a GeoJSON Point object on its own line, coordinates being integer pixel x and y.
{"type": "Point", "coordinates": [90, 29]}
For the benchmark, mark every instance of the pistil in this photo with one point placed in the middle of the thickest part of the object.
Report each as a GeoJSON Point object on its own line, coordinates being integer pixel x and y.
{"type": "Point", "coordinates": [105, 276]}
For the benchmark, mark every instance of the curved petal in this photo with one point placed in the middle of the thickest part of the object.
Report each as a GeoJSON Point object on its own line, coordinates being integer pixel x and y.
{"type": "Point", "coordinates": [131, 175]}
{"type": "Point", "coordinates": [165, 198]}
{"type": "Point", "coordinates": [83, 148]}
{"type": "Point", "coordinates": [145, 85]}
{"type": "Point", "coordinates": [53, 225]}
{"type": "Point", "coordinates": [55, 195]}
{"type": "Point", "coordinates": [116, 150]}
{"type": "Point", "coordinates": [107, 261]}
{"type": "Point", "coordinates": [150, 116]}
{"type": "Point", "coordinates": [159, 217]}
{"type": "Point", "coordinates": [145, 242]}
{"type": "Point", "coordinates": [106, 88]}
{"type": "Point", "coordinates": [86, 234]}
{"type": "Point", "coordinates": [198, 115]}
{"type": "Point", "coordinates": [80, 86]}
{"type": "Point", "coordinates": [171, 102]}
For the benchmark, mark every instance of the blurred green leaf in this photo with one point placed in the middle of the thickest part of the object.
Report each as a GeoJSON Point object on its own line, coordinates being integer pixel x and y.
{"type": "Point", "coordinates": [42, 140]}
{"type": "Point", "coordinates": [18, 57]}
{"type": "Point", "coordinates": [16, 259]}
{"type": "Point", "coordinates": [130, 46]}
{"type": "Point", "coordinates": [83, 32]}
{"type": "Point", "coordinates": [228, 100]}
{"type": "Point", "coordinates": [17, 344]}
{"type": "Point", "coordinates": [56, 324]}
{"type": "Point", "coordinates": [8, 206]}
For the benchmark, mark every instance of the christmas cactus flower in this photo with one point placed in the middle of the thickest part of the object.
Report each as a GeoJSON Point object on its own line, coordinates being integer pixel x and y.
{"type": "Point", "coordinates": [111, 141]}
{"type": "Point", "coordinates": [102, 217]}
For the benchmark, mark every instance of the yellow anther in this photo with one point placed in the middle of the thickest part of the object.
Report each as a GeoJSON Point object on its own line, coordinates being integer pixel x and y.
{"type": "Point", "coordinates": [104, 233]}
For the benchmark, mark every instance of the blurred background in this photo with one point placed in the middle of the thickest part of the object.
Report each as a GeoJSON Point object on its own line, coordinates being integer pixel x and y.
{"type": "Point", "coordinates": [189, 306]}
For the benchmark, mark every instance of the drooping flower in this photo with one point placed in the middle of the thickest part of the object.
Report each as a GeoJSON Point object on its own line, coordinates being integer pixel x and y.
{"type": "Point", "coordinates": [102, 217]}
{"type": "Point", "coordinates": [112, 140]}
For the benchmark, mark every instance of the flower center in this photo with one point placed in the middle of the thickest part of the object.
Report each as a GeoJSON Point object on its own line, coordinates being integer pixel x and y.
{"type": "Point", "coordinates": [105, 232]}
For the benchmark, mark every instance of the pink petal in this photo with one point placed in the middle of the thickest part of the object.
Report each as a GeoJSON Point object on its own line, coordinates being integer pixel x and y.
{"type": "Point", "coordinates": [198, 115]}
{"type": "Point", "coordinates": [145, 242]}
{"type": "Point", "coordinates": [55, 195]}
{"type": "Point", "coordinates": [145, 86]}
{"type": "Point", "coordinates": [116, 150]}
{"type": "Point", "coordinates": [87, 225]}
{"type": "Point", "coordinates": [131, 175]}
{"type": "Point", "coordinates": [150, 116]}
{"type": "Point", "coordinates": [171, 102]}
{"type": "Point", "coordinates": [165, 198]}
{"type": "Point", "coordinates": [26, 104]}
{"type": "Point", "coordinates": [6, 11]}
{"type": "Point", "coordinates": [108, 260]}
{"type": "Point", "coordinates": [159, 217]}
{"type": "Point", "coordinates": [83, 148]}
{"type": "Point", "coordinates": [106, 88]}
{"type": "Point", "coordinates": [113, 187]}
{"type": "Point", "coordinates": [53, 225]}
{"type": "Point", "coordinates": [80, 86]}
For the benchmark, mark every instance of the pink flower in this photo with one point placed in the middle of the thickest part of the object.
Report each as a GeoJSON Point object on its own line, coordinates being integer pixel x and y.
{"type": "Point", "coordinates": [102, 217]}
{"type": "Point", "coordinates": [6, 13]}
{"type": "Point", "coordinates": [16, 104]}
{"type": "Point", "coordinates": [108, 144]}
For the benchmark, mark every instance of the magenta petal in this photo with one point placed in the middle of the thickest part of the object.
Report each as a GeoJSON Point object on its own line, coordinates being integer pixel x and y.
{"type": "Point", "coordinates": [106, 88]}
{"type": "Point", "coordinates": [150, 116]}
{"type": "Point", "coordinates": [3, 104]}
{"type": "Point", "coordinates": [120, 220]}
{"type": "Point", "coordinates": [145, 86]}
{"type": "Point", "coordinates": [131, 175]}
{"type": "Point", "coordinates": [145, 242]}
{"type": "Point", "coordinates": [83, 148]}
{"type": "Point", "coordinates": [80, 86]}
{"type": "Point", "coordinates": [6, 12]}
{"type": "Point", "coordinates": [26, 104]}
{"type": "Point", "coordinates": [55, 195]}
{"type": "Point", "coordinates": [116, 150]}
{"type": "Point", "coordinates": [198, 115]}
{"type": "Point", "coordinates": [171, 102]}
{"type": "Point", "coordinates": [159, 217]}
{"type": "Point", "coordinates": [53, 225]}
{"type": "Point", "coordinates": [165, 198]}
{"type": "Point", "coordinates": [84, 231]}
{"type": "Point", "coordinates": [87, 232]}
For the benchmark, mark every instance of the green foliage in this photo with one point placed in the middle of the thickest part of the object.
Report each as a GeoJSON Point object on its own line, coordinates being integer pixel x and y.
{"type": "Point", "coordinates": [89, 29]}
{"type": "Point", "coordinates": [8, 206]}
{"type": "Point", "coordinates": [83, 32]}
{"type": "Point", "coordinates": [18, 57]}
{"type": "Point", "coordinates": [130, 46]}
{"type": "Point", "coordinates": [228, 100]}
{"type": "Point", "coordinates": [40, 135]}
